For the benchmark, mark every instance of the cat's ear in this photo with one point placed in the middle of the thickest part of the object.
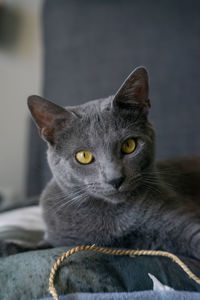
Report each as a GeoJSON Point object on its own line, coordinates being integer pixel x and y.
{"type": "Point", "coordinates": [134, 92]}
{"type": "Point", "coordinates": [49, 117]}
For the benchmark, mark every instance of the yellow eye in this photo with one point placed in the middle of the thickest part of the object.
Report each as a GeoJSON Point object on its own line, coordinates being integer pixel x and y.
{"type": "Point", "coordinates": [128, 146]}
{"type": "Point", "coordinates": [84, 157]}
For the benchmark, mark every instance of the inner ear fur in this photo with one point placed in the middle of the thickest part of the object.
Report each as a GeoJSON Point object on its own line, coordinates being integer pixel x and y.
{"type": "Point", "coordinates": [134, 91]}
{"type": "Point", "coordinates": [48, 116]}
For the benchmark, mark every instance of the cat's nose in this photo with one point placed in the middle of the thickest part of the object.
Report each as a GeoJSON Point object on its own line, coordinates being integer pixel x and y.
{"type": "Point", "coordinates": [116, 182]}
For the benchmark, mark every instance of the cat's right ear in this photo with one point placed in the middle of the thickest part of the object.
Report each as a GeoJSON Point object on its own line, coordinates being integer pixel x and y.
{"type": "Point", "coordinates": [49, 117]}
{"type": "Point", "coordinates": [134, 92]}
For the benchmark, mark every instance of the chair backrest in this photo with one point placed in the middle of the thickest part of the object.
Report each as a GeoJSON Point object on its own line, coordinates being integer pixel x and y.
{"type": "Point", "coordinates": [91, 46]}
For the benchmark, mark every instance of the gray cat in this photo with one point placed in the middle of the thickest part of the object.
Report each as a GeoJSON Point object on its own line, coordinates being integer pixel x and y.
{"type": "Point", "coordinates": [106, 187]}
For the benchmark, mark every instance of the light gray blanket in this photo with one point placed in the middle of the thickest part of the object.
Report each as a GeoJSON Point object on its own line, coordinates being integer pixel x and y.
{"type": "Point", "coordinates": [146, 295]}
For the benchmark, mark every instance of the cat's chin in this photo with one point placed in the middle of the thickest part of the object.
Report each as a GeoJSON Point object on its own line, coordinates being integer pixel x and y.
{"type": "Point", "coordinates": [114, 198]}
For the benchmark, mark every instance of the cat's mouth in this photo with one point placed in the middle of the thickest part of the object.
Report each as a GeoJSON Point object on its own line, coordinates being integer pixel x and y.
{"type": "Point", "coordinates": [105, 192]}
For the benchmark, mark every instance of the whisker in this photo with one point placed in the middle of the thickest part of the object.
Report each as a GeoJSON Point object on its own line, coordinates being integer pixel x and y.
{"type": "Point", "coordinates": [77, 199]}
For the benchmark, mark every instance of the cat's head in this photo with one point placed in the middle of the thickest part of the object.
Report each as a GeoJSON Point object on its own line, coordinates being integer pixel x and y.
{"type": "Point", "coordinates": [103, 147]}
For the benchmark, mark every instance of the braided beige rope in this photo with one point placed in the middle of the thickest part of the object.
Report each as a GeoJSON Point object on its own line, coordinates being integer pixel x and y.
{"type": "Point", "coordinates": [65, 255]}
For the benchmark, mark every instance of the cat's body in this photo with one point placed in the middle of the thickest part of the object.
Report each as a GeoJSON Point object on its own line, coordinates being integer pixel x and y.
{"type": "Point", "coordinates": [157, 206]}
{"type": "Point", "coordinates": [106, 187]}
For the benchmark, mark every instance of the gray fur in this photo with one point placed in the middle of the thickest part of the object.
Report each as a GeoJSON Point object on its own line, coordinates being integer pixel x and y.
{"type": "Point", "coordinates": [150, 210]}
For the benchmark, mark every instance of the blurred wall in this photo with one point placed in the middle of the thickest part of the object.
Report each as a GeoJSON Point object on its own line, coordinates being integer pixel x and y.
{"type": "Point", "coordinates": [20, 76]}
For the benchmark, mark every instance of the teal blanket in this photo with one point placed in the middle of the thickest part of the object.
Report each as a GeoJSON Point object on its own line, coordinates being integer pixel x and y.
{"type": "Point", "coordinates": [25, 276]}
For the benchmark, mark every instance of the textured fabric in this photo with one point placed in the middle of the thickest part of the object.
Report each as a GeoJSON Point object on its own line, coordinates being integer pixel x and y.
{"type": "Point", "coordinates": [25, 275]}
{"type": "Point", "coordinates": [90, 47]}
{"type": "Point", "coordinates": [22, 226]}
{"type": "Point", "coordinates": [147, 295]}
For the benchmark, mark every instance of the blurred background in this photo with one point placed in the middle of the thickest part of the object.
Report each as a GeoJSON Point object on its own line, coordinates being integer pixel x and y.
{"type": "Point", "coordinates": [72, 51]}
{"type": "Point", "coordinates": [20, 76]}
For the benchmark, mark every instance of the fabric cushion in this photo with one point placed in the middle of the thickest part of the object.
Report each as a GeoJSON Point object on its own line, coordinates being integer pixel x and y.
{"type": "Point", "coordinates": [25, 276]}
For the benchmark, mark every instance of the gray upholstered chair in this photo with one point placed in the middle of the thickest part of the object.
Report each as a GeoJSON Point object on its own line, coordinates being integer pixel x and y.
{"type": "Point", "coordinates": [90, 47]}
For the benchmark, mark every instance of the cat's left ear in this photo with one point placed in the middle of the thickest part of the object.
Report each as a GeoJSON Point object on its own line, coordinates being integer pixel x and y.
{"type": "Point", "coordinates": [134, 92]}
